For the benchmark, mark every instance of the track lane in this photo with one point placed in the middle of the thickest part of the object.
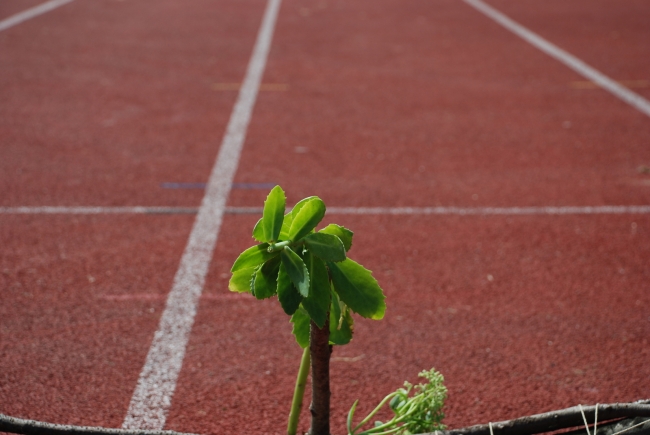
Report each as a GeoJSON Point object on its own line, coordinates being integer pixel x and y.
{"type": "Point", "coordinates": [614, 40]}
{"type": "Point", "coordinates": [106, 100]}
{"type": "Point", "coordinates": [442, 107]}
{"type": "Point", "coordinates": [157, 382]}
{"type": "Point", "coordinates": [377, 91]}
{"type": "Point", "coordinates": [521, 314]}
{"type": "Point", "coordinates": [149, 71]}
{"type": "Point", "coordinates": [593, 76]}
{"type": "Point", "coordinates": [68, 353]}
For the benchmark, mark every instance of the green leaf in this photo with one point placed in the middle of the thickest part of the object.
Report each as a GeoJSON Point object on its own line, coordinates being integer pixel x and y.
{"type": "Point", "coordinates": [296, 270]}
{"type": "Point", "coordinates": [265, 281]}
{"type": "Point", "coordinates": [300, 321]}
{"type": "Point", "coordinates": [356, 287]}
{"type": "Point", "coordinates": [310, 214]}
{"type": "Point", "coordinates": [317, 303]}
{"type": "Point", "coordinates": [341, 232]}
{"type": "Point", "coordinates": [253, 257]}
{"type": "Point", "coordinates": [342, 335]}
{"type": "Point", "coordinates": [288, 218]}
{"type": "Point", "coordinates": [296, 208]}
{"type": "Point", "coordinates": [240, 280]}
{"type": "Point", "coordinates": [287, 294]}
{"type": "Point", "coordinates": [286, 226]}
{"type": "Point", "coordinates": [258, 231]}
{"type": "Point", "coordinates": [325, 246]}
{"type": "Point", "coordinates": [273, 214]}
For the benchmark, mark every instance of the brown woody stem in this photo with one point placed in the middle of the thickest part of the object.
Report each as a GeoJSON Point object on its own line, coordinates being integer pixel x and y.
{"type": "Point", "coordinates": [320, 350]}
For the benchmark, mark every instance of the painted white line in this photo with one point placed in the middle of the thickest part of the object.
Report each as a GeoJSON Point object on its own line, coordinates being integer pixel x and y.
{"type": "Point", "coordinates": [632, 98]}
{"type": "Point", "coordinates": [31, 13]}
{"type": "Point", "coordinates": [97, 210]}
{"type": "Point", "coordinates": [153, 393]}
{"type": "Point", "coordinates": [467, 211]}
{"type": "Point", "coordinates": [156, 297]}
{"type": "Point", "coordinates": [463, 211]}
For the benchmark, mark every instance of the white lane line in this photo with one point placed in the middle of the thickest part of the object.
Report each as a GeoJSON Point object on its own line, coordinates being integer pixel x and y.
{"type": "Point", "coordinates": [31, 13]}
{"type": "Point", "coordinates": [463, 211]}
{"type": "Point", "coordinates": [153, 393]}
{"type": "Point", "coordinates": [632, 98]}
{"type": "Point", "coordinates": [157, 297]}
{"type": "Point", "coordinates": [97, 210]}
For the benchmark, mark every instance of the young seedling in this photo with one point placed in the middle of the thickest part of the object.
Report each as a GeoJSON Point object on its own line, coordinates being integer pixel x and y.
{"type": "Point", "coordinates": [418, 414]}
{"type": "Point", "coordinates": [316, 284]}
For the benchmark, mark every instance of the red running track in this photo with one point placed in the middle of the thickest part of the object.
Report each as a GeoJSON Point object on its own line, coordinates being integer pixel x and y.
{"type": "Point", "coordinates": [381, 103]}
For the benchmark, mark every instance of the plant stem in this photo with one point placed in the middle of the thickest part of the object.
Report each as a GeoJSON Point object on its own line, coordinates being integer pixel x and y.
{"type": "Point", "coordinates": [299, 393]}
{"type": "Point", "coordinates": [376, 410]}
{"type": "Point", "coordinates": [320, 376]}
{"type": "Point", "coordinates": [277, 246]}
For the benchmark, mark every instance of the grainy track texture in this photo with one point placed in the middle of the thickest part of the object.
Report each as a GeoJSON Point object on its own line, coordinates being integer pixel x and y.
{"type": "Point", "coordinates": [366, 103]}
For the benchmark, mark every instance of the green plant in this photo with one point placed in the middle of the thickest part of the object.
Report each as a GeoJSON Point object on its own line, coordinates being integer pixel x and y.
{"type": "Point", "coordinates": [419, 413]}
{"type": "Point", "coordinates": [316, 284]}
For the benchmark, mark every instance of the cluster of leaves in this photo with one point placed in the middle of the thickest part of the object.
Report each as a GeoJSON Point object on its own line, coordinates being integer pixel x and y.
{"type": "Point", "coordinates": [308, 270]}
{"type": "Point", "coordinates": [420, 413]}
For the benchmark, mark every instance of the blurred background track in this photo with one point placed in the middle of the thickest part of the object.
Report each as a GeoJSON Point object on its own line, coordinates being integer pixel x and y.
{"type": "Point", "coordinates": [373, 103]}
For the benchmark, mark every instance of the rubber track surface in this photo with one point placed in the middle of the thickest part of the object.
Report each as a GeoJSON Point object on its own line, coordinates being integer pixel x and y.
{"type": "Point", "coordinates": [373, 103]}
